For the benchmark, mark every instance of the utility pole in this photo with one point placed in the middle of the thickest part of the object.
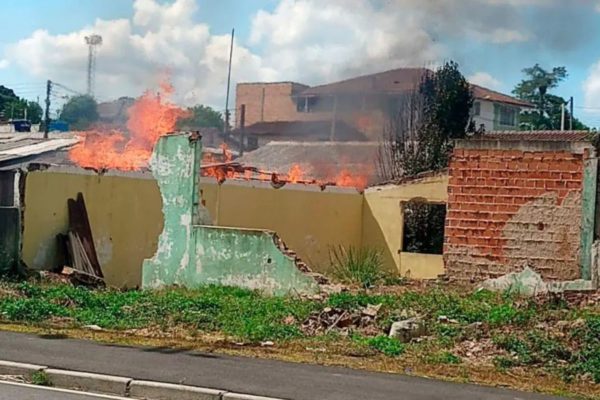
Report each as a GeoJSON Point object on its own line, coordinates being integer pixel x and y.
{"type": "Point", "coordinates": [242, 127]}
{"type": "Point", "coordinates": [571, 114]}
{"type": "Point", "coordinates": [562, 117]}
{"type": "Point", "coordinates": [47, 115]}
{"type": "Point", "coordinates": [228, 85]}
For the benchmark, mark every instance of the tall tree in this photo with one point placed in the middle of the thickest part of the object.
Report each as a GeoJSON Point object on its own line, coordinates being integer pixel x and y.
{"type": "Point", "coordinates": [80, 112]}
{"type": "Point", "coordinates": [535, 88]}
{"type": "Point", "coordinates": [202, 116]}
{"type": "Point", "coordinates": [422, 124]}
{"type": "Point", "coordinates": [12, 106]}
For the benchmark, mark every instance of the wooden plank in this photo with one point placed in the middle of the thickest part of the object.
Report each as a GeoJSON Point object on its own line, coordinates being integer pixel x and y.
{"type": "Point", "coordinates": [80, 225]}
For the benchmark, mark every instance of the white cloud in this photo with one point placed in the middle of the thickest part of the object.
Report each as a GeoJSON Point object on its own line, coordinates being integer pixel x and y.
{"type": "Point", "coordinates": [591, 88]}
{"type": "Point", "coordinates": [484, 79]}
{"type": "Point", "coordinates": [135, 53]}
{"type": "Point", "coordinates": [4, 63]}
{"type": "Point", "coordinates": [311, 41]}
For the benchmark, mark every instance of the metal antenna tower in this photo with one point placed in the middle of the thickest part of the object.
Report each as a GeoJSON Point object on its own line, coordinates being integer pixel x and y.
{"type": "Point", "coordinates": [93, 41]}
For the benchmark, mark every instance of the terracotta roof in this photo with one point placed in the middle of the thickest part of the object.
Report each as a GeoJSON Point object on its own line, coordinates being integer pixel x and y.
{"type": "Point", "coordinates": [393, 81]}
{"type": "Point", "coordinates": [305, 130]}
{"type": "Point", "coordinates": [482, 93]}
{"type": "Point", "coordinates": [399, 81]}
{"type": "Point", "coordinates": [552, 136]}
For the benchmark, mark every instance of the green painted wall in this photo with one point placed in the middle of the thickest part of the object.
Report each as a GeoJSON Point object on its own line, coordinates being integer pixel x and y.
{"type": "Point", "coordinates": [194, 255]}
{"type": "Point", "coordinates": [588, 215]}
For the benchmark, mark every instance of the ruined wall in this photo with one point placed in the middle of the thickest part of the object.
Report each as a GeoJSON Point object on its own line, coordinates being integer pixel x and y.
{"type": "Point", "coordinates": [383, 223]}
{"type": "Point", "coordinates": [309, 221]}
{"type": "Point", "coordinates": [513, 204]}
{"type": "Point", "coordinates": [190, 254]}
{"type": "Point", "coordinates": [124, 213]}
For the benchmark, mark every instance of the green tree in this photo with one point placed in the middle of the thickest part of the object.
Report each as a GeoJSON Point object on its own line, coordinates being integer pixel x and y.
{"type": "Point", "coordinates": [535, 88]}
{"type": "Point", "coordinates": [202, 116]}
{"type": "Point", "coordinates": [80, 112]}
{"type": "Point", "coordinates": [422, 124]}
{"type": "Point", "coordinates": [12, 106]}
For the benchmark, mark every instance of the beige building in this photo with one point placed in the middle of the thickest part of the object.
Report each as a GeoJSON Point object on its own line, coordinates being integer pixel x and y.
{"type": "Point", "coordinates": [359, 102]}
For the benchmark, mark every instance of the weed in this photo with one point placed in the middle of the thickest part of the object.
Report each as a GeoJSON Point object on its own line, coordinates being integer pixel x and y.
{"type": "Point", "coordinates": [40, 378]}
{"type": "Point", "coordinates": [363, 266]}
{"type": "Point", "coordinates": [383, 344]}
{"type": "Point", "coordinates": [503, 363]}
{"type": "Point", "coordinates": [444, 357]}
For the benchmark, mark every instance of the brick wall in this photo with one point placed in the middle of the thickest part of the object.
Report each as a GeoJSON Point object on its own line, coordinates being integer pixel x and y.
{"type": "Point", "coordinates": [510, 208]}
{"type": "Point", "coordinates": [267, 101]}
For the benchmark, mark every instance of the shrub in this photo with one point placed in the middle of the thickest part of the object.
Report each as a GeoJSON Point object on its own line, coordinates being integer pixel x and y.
{"type": "Point", "coordinates": [363, 266]}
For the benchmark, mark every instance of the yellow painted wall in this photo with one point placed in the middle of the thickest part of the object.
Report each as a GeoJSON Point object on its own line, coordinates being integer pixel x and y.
{"type": "Point", "coordinates": [126, 219]}
{"type": "Point", "coordinates": [125, 216]}
{"type": "Point", "coordinates": [383, 222]}
{"type": "Point", "coordinates": [310, 221]}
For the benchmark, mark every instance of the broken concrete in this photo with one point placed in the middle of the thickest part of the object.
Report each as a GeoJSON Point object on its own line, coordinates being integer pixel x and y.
{"type": "Point", "coordinates": [192, 255]}
{"type": "Point", "coordinates": [408, 329]}
{"type": "Point", "coordinates": [529, 283]}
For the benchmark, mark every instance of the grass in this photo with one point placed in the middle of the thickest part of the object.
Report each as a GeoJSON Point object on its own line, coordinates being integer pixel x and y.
{"type": "Point", "coordinates": [357, 265]}
{"type": "Point", "coordinates": [520, 334]}
{"type": "Point", "coordinates": [40, 378]}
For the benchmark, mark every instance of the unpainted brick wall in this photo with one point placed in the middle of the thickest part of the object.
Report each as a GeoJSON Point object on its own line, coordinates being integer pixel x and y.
{"type": "Point", "coordinates": [511, 208]}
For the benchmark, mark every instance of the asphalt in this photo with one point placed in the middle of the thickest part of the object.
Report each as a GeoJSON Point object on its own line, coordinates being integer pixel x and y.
{"type": "Point", "coordinates": [12, 391]}
{"type": "Point", "coordinates": [237, 374]}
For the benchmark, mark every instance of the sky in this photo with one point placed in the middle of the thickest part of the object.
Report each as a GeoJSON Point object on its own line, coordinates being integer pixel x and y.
{"type": "Point", "coordinates": [307, 41]}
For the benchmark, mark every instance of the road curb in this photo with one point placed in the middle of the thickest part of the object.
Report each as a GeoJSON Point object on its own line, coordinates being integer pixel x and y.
{"type": "Point", "coordinates": [88, 382]}
{"type": "Point", "coordinates": [237, 396]}
{"type": "Point", "coordinates": [22, 369]}
{"type": "Point", "coordinates": [122, 386]}
{"type": "Point", "coordinates": [169, 391]}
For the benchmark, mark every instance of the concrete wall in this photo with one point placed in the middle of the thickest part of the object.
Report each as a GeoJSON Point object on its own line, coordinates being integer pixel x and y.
{"type": "Point", "coordinates": [124, 212]}
{"type": "Point", "coordinates": [384, 221]}
{"type": "Point", "coordinates": [309, 221]}
{"type": "Point", "coordinates": [513, 204]}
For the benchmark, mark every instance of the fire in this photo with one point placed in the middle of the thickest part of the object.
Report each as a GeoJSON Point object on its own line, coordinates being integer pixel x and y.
{"type": "Point", "coordinates": [295, 174]}
{"type": "Point", "coordinates": [150, 117]}
{"type": "Point", "coordinates": [223, 169]}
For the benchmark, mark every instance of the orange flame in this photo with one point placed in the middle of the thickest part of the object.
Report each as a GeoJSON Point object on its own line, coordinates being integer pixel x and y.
{"type": "Point", "coordinates": [295, 174]}
{"type": "Point", "coordinates": [150, 117]}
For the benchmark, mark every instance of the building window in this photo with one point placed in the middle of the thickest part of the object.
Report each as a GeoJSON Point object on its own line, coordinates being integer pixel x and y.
{"type": "Point", "coordinates": [476, 111]}
{"type": "Point", "coordinates": [314, 104]}
{"type": "Point", "coordinates": [423, 230]}
{"type": "Point", "coordinates": [508, 116]}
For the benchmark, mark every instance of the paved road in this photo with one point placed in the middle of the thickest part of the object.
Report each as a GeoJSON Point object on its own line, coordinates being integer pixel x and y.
{"type": "Point", "coordinates": [15, 391]}
{"type": "Point", "coordinates": [237, 374]}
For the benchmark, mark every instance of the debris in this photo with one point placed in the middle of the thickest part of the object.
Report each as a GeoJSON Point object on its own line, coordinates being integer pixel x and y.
{"type": "Point", "coordinates": [92, 327]}
{"type": "Point", "coordinates": [526, 283]}
{"type": "Point", "coordinates": [408, 329]}
{"type": "Point", "coordinates": [78, 247]}
{"type": "Point", "coordinates": [289, 320]}
{"type": "Point", "coordinates": [371, 310]}
{"type": "Point", "coordinates": [267, 343]}
{"type": "Point", "coordinates": [443, 319]}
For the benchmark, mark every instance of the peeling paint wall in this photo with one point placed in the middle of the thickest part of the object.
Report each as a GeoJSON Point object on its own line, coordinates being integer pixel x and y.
{"type": "Point", "coordinates": [309, 220]}
{"type": "Point", "coordinates": [193, 255]}
{"type": "Point", "coordinates": [512, 205]}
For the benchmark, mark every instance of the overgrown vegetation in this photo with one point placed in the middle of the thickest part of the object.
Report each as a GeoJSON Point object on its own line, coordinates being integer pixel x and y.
{"type": "Point", "coordinates": [357, 265]}
{"type": "Point", "coordinates": [464, 328]}
{"type": "Point", "coordinates": [40, 378]}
